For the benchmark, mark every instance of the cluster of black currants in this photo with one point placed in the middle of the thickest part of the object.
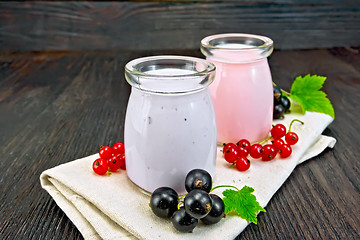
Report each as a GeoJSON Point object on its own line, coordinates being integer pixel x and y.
{"type": "Point", "coordinates": [281, 103]}
{"type": "Point", "coordinates": [198, 203]}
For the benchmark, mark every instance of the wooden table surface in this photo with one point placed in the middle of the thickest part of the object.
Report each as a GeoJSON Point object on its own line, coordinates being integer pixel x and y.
{"type": "Point", "coordinates": [59, 106]}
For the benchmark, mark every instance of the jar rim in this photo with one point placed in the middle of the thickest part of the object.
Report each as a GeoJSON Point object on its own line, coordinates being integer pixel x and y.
{"type": "Point", "coordinates": [130, 66]}
{"type": "Point", "coordinates": [169, 74]}
{"type": "Point", "coordinates": [237, 47]}
{"type": "Point", "coordinates": [206, 42]}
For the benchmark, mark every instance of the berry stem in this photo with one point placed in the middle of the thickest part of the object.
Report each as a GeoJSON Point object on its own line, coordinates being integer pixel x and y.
{"type": "Point", "coordinates": [220, 186]}
{"type": "Point", "coordinates": [227, 186]}
{"type": "Point", "coordinates": [285, 92]}
{"type": "Point", "coordinates": [294, 120]}
{"type": "Point", "coordinates": [179, 204]}
{"type": "Point", "coordinates": [181, 197]}
{"type": "Point", "coordinates": [265, 140]}
{"type": "Point", "coordinates": [282, 90]}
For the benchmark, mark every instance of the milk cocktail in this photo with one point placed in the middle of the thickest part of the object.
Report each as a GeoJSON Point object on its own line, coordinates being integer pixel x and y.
{"type": "Point", "coordinates": [170, 125]}
{"type": "Point", "coordinates": [242, 90]}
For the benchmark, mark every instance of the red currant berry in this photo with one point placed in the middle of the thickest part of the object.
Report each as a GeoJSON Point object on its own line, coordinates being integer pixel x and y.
{"type": "Point", "coordinates": [277, 143]}
{"type": "Point", "coordinates": [118, 148]}
{"type": "Point", "coordinates": [243, 143]}
{"type": "Point", "coordinates": [227, 146]}
{"type": "Point", "coordinates": [278, 131]}
{"type": "Point", "coordinates": [256, 151]}
{"type": "Point", "coordinates": [268, 153]}
{"type": "Point", "coordinates": [285, 150]}
{"type": "Point", "coordinates": [231, 154]}
{"type": "Point", "coordinates": [121, 158]}
{"type": "Point", "coordinates": [100, 166]}
{"type": "Point", "coordinates": [242, 152]}
{"type": "Point", "coordinates": [106, 152]}
{"type": "Point", "coordinates": [114, 163]}
{"type": "Point", "coordinates": [242, 164]}
{"type": "Point", "coordinates": [291, 138]}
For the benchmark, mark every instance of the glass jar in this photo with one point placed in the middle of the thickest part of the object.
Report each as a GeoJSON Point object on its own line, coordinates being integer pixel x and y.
{"type": "Point", "coordinates": [242, 91]}
{"type": "Point", "coordinates": [170, 125]}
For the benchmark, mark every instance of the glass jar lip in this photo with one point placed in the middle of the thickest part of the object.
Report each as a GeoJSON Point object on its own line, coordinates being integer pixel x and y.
{"type": "Point", "coordinates": [130, 66]}
{"type": "Point", "coordinates": [169, 74]}
{"type": "Point", "coordinates": [237, 48]}
{"type": "Point", "coordinates": [267, 42]}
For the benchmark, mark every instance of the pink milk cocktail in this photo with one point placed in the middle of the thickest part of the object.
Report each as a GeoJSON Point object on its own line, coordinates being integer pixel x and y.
{"type": "Point", "coordinates": [242, 91]}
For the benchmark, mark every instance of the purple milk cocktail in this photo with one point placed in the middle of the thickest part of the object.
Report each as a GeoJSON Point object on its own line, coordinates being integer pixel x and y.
{"type": "Point", "coordinates": [170, 125]}
{"type": "Point", "coordinates": [242, 91]}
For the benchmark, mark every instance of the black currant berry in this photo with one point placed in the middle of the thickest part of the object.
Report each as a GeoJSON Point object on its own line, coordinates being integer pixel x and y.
{"type": "Point", "coordinates": [182, 221]}
{"type": "Point", "coordinates": [278, 111]}
{"type": "Point", "coordinates": [164, 201]}
{"type": "Point", "coordinates": [198, 179]}
{"type": "Point", "coordinates": [277, 100]}
{"type": "Point", "coordinates": [198, 203]}
{"type": "Point", "coordinates": [217, 211]}
{"type": "Point", "coordinates": [285, 102]}
{"type": "Point", "coordinates": [277, 92]}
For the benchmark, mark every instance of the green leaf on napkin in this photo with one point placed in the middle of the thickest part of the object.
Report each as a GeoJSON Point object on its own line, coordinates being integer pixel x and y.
{"type": "Point", "coordinates": [306, 91]}
{"type": "Point", "coordinates": [242, 203]}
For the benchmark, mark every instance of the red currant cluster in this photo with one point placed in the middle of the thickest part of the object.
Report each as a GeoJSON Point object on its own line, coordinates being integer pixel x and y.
{"type": "Point", "coordinates": [111, 159]}
{"type": "Point", "coordinates": [237, 154]}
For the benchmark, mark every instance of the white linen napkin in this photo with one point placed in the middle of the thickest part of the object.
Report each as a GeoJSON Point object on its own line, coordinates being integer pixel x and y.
{"type": "Point", "coordinates": [112, 207]}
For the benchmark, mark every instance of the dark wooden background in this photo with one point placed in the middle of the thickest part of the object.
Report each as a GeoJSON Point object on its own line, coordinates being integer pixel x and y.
{"type": "Point", "coordinates": [63, 93]}
{"type": "Point", "coordinates": [143, 25]}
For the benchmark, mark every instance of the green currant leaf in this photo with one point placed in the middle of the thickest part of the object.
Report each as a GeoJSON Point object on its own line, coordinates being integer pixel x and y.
{"type": "Point", "coordinates": [306, 91]}
{"type": "Point", "coordinates": [308, 83]}
{"type": "Point", "coordinates": [242, 203]}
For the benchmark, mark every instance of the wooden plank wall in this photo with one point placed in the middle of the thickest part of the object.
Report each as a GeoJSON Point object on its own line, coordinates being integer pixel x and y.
{"type": "Point", "coordinates": [68, 26]}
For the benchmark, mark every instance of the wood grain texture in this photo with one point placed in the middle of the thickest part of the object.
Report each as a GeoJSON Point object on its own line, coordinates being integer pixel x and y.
{"type": "Point", "coordinates": [56, 107]}
{"type": "Point", "coordinates": [64, 26]}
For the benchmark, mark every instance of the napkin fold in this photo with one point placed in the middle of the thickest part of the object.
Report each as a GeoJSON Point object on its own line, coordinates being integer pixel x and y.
{"type": "Point", "coordinates": [112, 207]}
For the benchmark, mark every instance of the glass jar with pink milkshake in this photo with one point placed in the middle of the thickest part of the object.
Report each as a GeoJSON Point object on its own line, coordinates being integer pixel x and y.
{"type": "Point", "coordinates": [242, 92]}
